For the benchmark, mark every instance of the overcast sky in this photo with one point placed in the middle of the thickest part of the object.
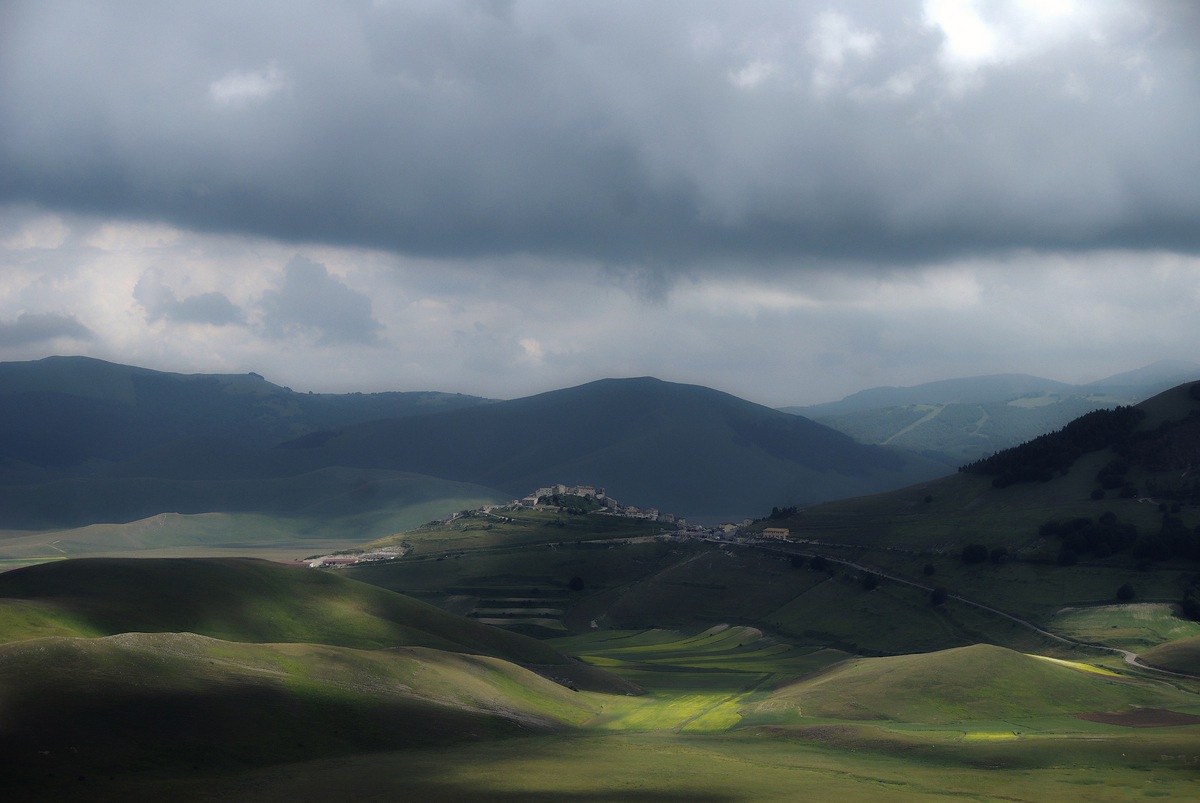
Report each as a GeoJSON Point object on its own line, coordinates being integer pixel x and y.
{"type": "Point", "coordinates": [787, 201]}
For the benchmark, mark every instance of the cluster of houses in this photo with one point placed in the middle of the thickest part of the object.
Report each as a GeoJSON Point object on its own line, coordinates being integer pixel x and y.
{"type": "Point", "coordinates": [547, 499]}
{"type": "Point", "coordinates": [543, 498]}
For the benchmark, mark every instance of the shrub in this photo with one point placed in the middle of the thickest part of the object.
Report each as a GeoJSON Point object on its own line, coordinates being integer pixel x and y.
{"type": "Point", "coordinates": [974, 553]}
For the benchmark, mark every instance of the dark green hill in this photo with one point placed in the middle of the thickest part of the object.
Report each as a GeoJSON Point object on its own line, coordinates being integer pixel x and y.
{"type": "Point", "coordinates": [81, 712]}
{"type": "Point", "coordinates": [238, 600]}
{"type": "Point", "coordinates": [683, 448]}
{"type": "Point", "coordinates": [62, 413]}
{"type": "Point", "coordinates": [1181, 655]}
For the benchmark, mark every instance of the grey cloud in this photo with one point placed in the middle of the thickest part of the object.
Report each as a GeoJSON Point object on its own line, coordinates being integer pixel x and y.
{"type": "Point", "coordinates": [38, 327]}
{"type": "Point", "coordinates": [161, 303]}
{"type": "Point", "coordinates": [663, 135]}
{"type": "Point", "coordinates": [312, 302]}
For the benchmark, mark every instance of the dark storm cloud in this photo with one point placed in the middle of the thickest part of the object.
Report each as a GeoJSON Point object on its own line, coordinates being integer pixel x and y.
{"type": "Point", "coordinates": [624, 133]}
{"type": "Point", "coordinates": [310, 301]}
{"type": "Point", "coordinates": [31, 328]}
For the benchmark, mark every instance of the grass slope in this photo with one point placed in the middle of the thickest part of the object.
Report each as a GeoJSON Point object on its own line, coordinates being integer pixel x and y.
{"type": "Point", "coordinates": [171, 701]}
{"type": "Point", "coordinates": [238, 600]}
{"type": "Point", "coordinates": [980, 682]}
{"type": "Point", "coordinates": [1182, 655]}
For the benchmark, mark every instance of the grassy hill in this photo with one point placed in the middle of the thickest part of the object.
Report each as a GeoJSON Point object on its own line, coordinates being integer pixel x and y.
{"type": "Point", "coordinates": [237, 600]}
{"type": "Point", "coordinates": [1182, 655]}
{"type": "Point", "coordinates": [176, 702]}
{"type": "Point", "coordinates": [979, 682]}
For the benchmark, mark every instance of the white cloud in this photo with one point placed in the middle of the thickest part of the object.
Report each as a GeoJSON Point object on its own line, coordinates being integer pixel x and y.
{"type": "Point", "coordinates": [834, 41]}
{"type": "Point", "coordinates": [243, 87]}
{"type": "Point", "coordinates": [44, 231]}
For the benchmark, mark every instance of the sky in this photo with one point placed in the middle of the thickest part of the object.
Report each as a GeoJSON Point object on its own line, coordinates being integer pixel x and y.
{"type": "Point", "coordinates": [787, 201]}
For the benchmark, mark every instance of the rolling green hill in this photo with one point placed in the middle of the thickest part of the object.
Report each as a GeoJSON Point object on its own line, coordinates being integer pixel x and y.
{"type": "Point", "coordinates": [237, 600]}
{"type": "Point", "coordinates": [172, 700]}
{"type": "Point", "coordinates": [1182, 655]}
{"type": "Point", "coordinates": [980, 682]}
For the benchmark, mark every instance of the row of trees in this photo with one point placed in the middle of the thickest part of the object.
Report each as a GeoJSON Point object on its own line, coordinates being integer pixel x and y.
{"type": "Point", "coordinates": [1044, 457]}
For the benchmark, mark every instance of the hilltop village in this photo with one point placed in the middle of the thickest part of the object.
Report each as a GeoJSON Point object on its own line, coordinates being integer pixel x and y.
{"type": "Point", "coordinates": [577, 499]}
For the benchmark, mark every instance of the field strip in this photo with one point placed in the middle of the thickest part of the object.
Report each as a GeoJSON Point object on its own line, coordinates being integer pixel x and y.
{"type": "Point", "coordinates": [1082, 667]}
{"type": "Point", "coordinates": [932, 414]}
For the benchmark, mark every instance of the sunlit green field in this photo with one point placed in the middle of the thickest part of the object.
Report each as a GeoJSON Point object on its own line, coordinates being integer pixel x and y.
{"type": "Point", "coordinates": [1132, 627]}
{"type": "Point", "coordinates": [719, 723]}
{"type": "Point", "coordinates": [722, 769]}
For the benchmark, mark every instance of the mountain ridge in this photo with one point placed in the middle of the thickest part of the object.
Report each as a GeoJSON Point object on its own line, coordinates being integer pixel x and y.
{"type": "Point", "coordinates": [687, 449]}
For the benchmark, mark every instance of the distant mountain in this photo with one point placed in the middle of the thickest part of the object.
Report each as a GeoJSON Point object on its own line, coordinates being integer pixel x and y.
{"type": "Point", "coordinates": [65, 415]}
{"type": "Point", "coordinates": [684, 449]}
{"type": "Point", "coordinates": [958, 421]}
{"type": "Point", "coordinates": [1150, 379]}
{"type": "Point", "coordinates": [966, 390]}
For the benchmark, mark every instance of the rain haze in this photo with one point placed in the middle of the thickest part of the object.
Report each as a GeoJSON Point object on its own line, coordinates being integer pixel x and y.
{"type": "Point", "coordinates": [785, 201]}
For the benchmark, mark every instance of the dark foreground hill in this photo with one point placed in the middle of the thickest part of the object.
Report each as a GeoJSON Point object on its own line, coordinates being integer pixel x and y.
{"type": "Point", "coordinates": [685, 449]}
{"type": "Point", "coordinates": [110, 667]}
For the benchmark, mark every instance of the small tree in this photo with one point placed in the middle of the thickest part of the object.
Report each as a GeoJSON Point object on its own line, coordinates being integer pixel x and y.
{"type": "Point", "coordinates": [870, 581]}
{"type": "Point", "coordinates": [576, 583]}
{"type": "Point", "coordinates": [929, 570]}
{"type": "Point", "coordinates": [1125, 593]}
{"type": "Point", "coordinates": [974, 553]}
{"type": "Point", "coordinates": [937, 596]}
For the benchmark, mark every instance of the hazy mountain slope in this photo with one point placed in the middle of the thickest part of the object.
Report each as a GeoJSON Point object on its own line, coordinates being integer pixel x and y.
{"type": "Point", "coordinates": [1150, 379]}
{"type": "Point", "coordinates": [958, 421]}
{"type": "Point", "coordinates": [60, 412]}
{"type": "Point", "coordinates": [964, 390]}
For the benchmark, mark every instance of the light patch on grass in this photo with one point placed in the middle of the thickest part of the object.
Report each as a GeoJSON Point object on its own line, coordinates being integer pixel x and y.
{"type": "Point", "coordinates": [989, 736]}
{"type": "Point", "coordinates": [1082, 667]}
